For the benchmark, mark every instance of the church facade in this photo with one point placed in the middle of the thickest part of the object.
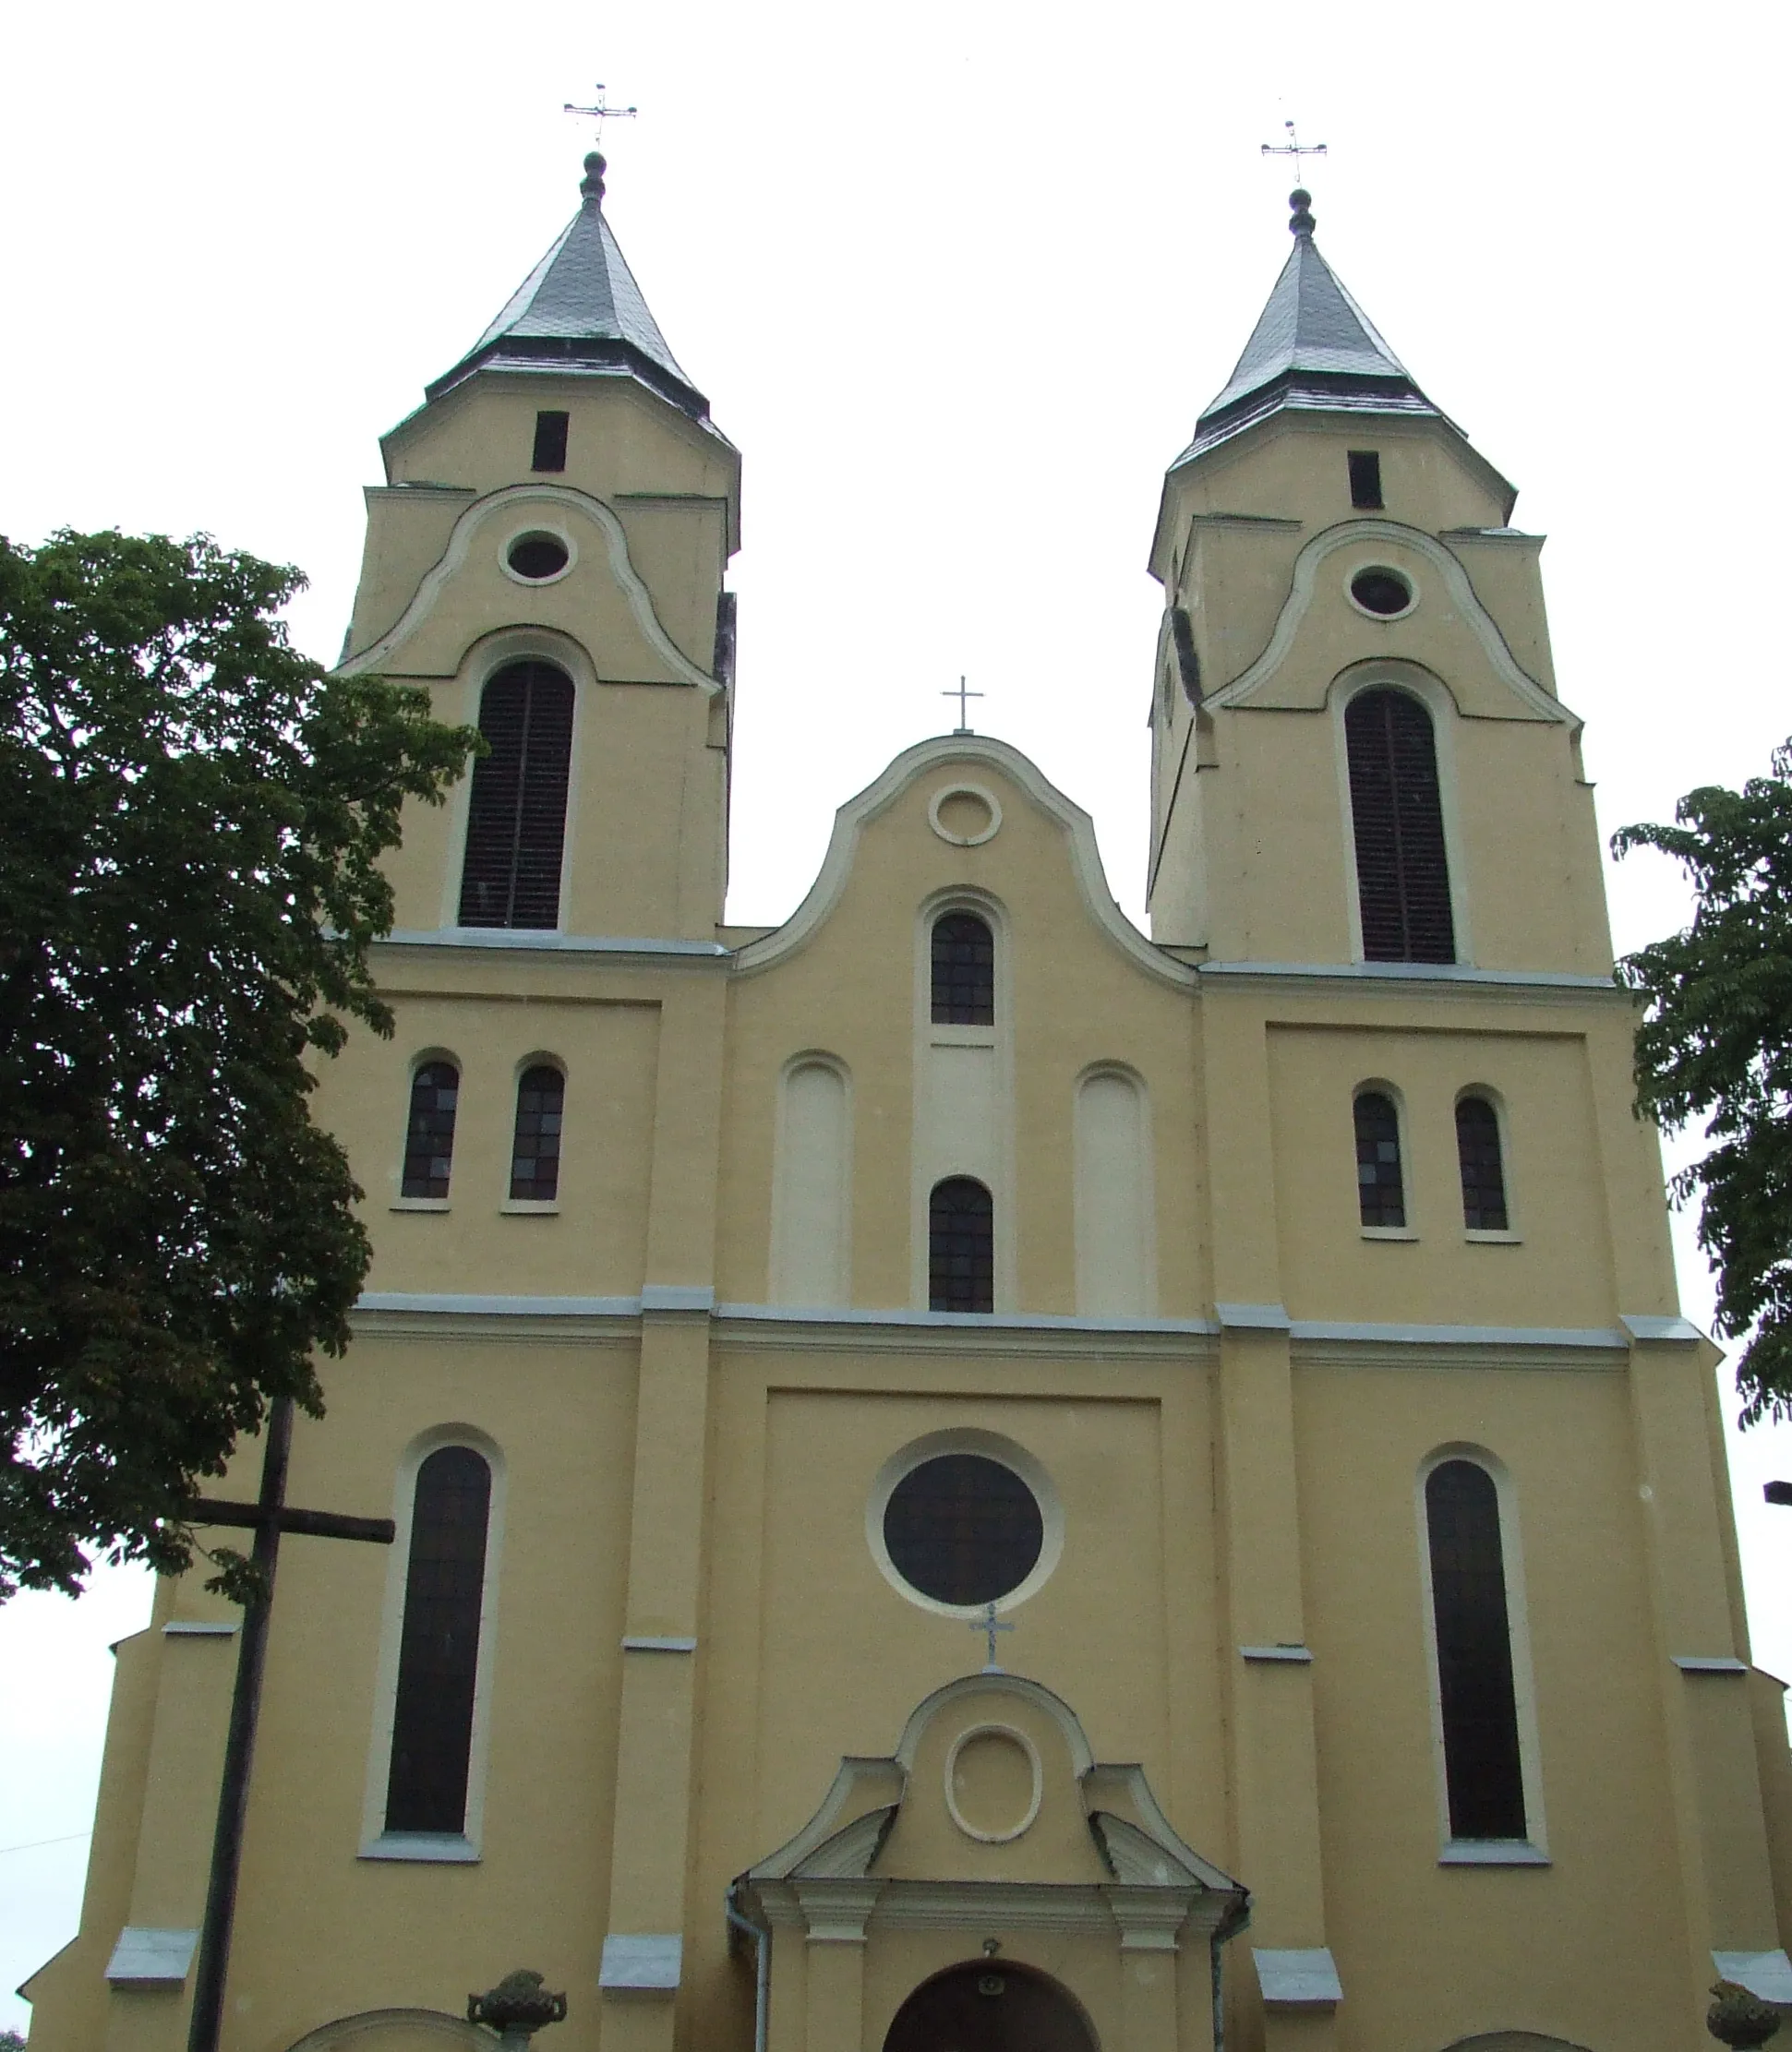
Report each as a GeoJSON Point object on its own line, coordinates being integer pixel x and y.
{"type": "Point", "coordinates": [968, 1478]}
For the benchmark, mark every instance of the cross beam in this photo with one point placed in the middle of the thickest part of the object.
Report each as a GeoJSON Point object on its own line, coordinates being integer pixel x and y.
{"type": "Point", "coordinates": [267, 1518]}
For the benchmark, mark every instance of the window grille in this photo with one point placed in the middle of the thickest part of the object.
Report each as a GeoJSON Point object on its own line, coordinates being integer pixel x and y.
{"type": "Point", "coordinates": [1380, 1188]}
{"type": "Point", "coordinates": [1483, 1175]}
{"type": "Point", "coordinates": [1402, 874]}
{"type": "Point", "coordinates": [516, 822]}
{"type": "Point", "coordinates": [535, 1156]}
{"type": "Point", "coordinates": [964, 971]}
{"type": "Point", "coordinates": [960, 1246]}
{"type": "Point", "coordinates": [1482, 1768]}
{"type": "Point", "coordinates": [429, 1134]}
{"type": "Point", "coordinates": [438, 1648]}
{"type": "Point", "coordinates": [963, 1528]}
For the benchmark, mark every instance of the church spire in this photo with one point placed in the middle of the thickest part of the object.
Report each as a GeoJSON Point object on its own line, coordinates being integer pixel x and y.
{"type": "Point", "coordinates": [1313, 349]}
{"type": "Point", "coordinates": [579, 312]}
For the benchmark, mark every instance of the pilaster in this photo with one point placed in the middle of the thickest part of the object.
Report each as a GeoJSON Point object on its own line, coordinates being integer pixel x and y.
{"type": "Point", "coordinates": [1712, 1773]}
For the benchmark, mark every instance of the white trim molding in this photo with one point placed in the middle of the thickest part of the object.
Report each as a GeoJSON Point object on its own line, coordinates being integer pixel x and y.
{"type": "Point", "coordinates": [1294, 1654]}
{"type": "Point", "coordinates": [460, 543]}
{"type": "Point", "coordinates": [987, 1446]}
{"type": "Point", "coordinates": [1537, 702]}
{"type": "Point", "coordinates": [942, 753]}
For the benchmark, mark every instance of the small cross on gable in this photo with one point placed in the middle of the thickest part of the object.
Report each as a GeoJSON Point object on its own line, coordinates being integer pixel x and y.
{"type": "Point", "coordinates": [962, 694]}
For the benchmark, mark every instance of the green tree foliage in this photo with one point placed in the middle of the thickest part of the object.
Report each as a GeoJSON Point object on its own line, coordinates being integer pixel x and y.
{"type": "Point", "coordinates": [191, 816]}
{"type": "Point", "coordinates": [1716, 1046]}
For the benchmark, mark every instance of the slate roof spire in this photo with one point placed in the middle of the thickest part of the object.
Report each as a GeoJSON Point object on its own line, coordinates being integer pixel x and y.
{"type": "Point", "coordinates": [1313, 349]}
{"type": "Point", "coordinates": [579, 312]}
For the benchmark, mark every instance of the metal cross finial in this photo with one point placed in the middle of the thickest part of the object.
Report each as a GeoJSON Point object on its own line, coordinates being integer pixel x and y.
{"type": "Point", "coordinates": [1294, 147]}
{"type": "Point", "coordinates": [961, 694]}
{"type": "Point", "coordinates": [601, 113]}
{"type": "Point", "coordinates": [989, 1625]}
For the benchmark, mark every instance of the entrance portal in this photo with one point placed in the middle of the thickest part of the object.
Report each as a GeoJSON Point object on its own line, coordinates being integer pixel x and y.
{"type": "Point", "coordinates": [989, 2006]}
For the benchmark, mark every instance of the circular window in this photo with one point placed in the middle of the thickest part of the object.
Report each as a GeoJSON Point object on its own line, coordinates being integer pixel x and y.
{"type": "Point", "coordinates": [538, 557]}
{"type": "Point", "coordinates": [1382, 592]}
{"type": "Point", "coordinates": [963, 1528]}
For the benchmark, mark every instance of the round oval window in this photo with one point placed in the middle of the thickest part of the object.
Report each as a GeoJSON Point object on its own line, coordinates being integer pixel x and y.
{"type": "Point", "coordinates": [538, 557]}
{"type": "Point", "coordinates": [963, 1528]}
{"type": "Point", "coordinates": [1384, 592]}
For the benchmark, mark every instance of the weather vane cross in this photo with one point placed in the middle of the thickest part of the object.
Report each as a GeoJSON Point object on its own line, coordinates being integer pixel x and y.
{"type": "Point", "coordinates": [1294, 147]}
{"type": "Point", "coordinates": [601, 113]}
{"type": "Point", "coordinates": [961, 694]}
{"type": "Point", "coordinates": [989, 1624]}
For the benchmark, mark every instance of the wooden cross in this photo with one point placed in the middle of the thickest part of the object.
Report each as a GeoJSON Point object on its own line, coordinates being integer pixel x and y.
{"type": "Point", "coordinates": [961, 694]}
{"type": "Point", "coordinates": [1294, 147]}
{"type": "Point", "coordinates": [601, 113]}
{"type": "Point", "coordinates": [267, 1518]}
{"type": "Point", "coordinates": [989, 1627]}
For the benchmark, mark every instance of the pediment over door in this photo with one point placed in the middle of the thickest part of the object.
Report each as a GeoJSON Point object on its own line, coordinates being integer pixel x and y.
{"type": "Point", "coordinates": [992, 1831]}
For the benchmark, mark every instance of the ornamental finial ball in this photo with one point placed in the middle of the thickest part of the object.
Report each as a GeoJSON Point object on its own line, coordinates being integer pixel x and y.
{"type": "Point", "coordinates": [592, 184]}
{"type": "Point", "coordinates": [1301, 221]}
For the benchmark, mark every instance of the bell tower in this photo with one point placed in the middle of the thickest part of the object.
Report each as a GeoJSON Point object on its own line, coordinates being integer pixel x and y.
{"type": "Point", "coordinates": [546, 557]}
{"type": "Point", "coordinates": [1358, 752]}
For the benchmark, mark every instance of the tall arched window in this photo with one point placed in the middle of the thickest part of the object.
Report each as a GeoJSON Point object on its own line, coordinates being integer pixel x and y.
{"type": "Point", "coordinates": [516, 822]}
{"type": "Point", "coordinates": [1484, 1174]}
{"type": "Point", "coordinates": [536, 1151]}
{"type": "Point", "coordinates": [960, 1246]}
{"type": "Point", "coordinates": [438, 1650]}
{"type": "Point", "coordinates": [1380, 1185]}
{"type": "Point", "coordinates": [429, 1132]}
{"type": "Point", "coordinates": [964, 971]}
{"type": "Point", "coordinates": [1402, 873]}
{"type": "Point", "coordinates": [1483, 1773]}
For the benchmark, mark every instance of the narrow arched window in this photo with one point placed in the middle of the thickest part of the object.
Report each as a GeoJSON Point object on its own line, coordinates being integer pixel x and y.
{"type": "Point", "coordinates": [1402, 873]}
{"type": "Point", "coordinates": [964, 971]}
{"type": "Point", "coordinates": [438, 1650]}
{"type": "Point", "coordinates": [960, 1246]}
{"type": "Point", "coordinates": [1482, 1765]}
{"type": "Point", "coordinates": [1380, 1186]}
{"type": "Point", "coordinates": [429, 1133]}
{"type": "Point", "coordinates": [1484, 1174]}
{"type": "Point", "coordinates": [516, 821]}
{"type": "Point", "coordinates": [536, 1153]}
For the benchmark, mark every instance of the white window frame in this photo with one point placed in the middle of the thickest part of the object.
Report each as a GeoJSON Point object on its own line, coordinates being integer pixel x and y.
{"type": "Point", "coordinates": [1533, 1849]}
{"type": "Point", "coordinates": [464, 1846]}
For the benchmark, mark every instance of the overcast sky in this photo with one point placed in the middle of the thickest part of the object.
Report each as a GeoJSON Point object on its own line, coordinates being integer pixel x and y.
{"type": "Point", "coordinates": [957, 280]}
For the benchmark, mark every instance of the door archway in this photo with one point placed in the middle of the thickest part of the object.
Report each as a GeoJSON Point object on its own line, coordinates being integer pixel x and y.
{"type": "Point", "coordinates": [990, 2006]}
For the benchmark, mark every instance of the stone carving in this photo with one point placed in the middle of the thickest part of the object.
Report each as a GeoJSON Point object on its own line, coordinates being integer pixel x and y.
{"type": "Point", "coordinates": [1740, 2020]}
{"type": "Point", "coordinates": [517, 2008]}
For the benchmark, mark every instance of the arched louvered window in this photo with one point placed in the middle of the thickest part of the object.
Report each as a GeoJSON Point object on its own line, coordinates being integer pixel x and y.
{"type": "Point", "coordinates": [516, 822]}
{"type": "Point", "coordinates": [1482, 1772]}
{"type": "Point", "coordinates": [438, 1650]}
{"type": "Point", "coordinates": [1380, 1186]}
{"type": "Point", "coordinates": [1484, 1174]}
{"type": "Point", "coordinates": [536, 1153]}
{"type": "Point", "coordinates": [960, 1246]}
{"type": "Point", "coordinates": [964, 971]}
{"type": "Point", "coordinates": [1402, 873]}
{"type": "Point", "coordinates": [429, 1133]}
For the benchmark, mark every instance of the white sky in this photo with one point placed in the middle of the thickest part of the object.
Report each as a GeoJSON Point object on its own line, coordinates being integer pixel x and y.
{"type": "Point", "coordinates": [956, 280]}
